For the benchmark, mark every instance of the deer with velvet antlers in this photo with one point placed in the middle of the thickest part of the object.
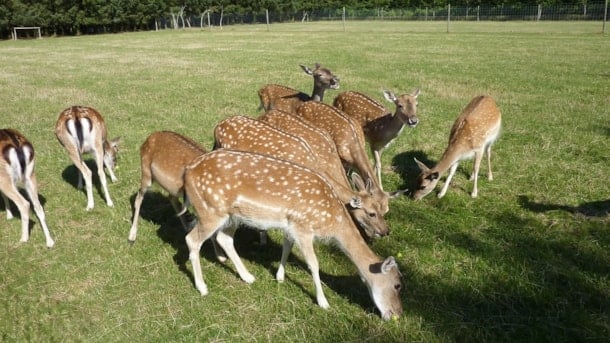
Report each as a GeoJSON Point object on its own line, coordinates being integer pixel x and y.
{"type": "Point", "coordinates": [473, 133]}
{"type": "Point", "coordinates": [226, 190]}
{"type": "Point", "coordinates": [17, 167]}
{"type": "Point", "coordinates": [274, 96]}
{"type": "Point", "coordinates": [82, 130]}
{"type": "Point", "coordinates": [380, 126]}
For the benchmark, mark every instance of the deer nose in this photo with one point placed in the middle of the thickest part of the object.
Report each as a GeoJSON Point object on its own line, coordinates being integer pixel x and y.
{"type": "Point", "coordinates": [413, 122]}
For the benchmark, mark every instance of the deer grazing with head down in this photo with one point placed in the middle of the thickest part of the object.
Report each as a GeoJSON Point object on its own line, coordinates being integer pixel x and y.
{"type": "Point", "coordinates": [82, 130]}
{"type": "Point", "coordinates": [349, 141]}
{"type": "Point", "coordinates": [380, 126]}
{"type": "Point", "coordinates": [288, 99]}
{"type": "Point", "coordinates": [17, 167]}
{"type": "Point", "coordinates": [248, 134]}
{"type": "Point", "coordinates": [164, 157]}
{"type": "Point", "coordinates": [473, 133]}
{"type": "Point", "coordinates": [227, 188]}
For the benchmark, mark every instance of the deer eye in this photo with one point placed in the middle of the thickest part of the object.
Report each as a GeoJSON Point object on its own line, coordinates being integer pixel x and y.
{"type": "Point", "coordinates": [372, 215]}
{"type": "Point", "coordinates": [397, 286]}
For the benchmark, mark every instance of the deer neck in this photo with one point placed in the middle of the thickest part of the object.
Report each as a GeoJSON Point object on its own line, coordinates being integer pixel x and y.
{"type": "Point", "coordinates": [450, 156]}
{"type": "Point", "coordinates": [355, 248]}
{"type": "Point", "coordinates": [317, 94]}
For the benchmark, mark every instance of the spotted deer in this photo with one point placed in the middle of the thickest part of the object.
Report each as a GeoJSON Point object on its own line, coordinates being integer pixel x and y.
{"type": "Point", "coordinates": [380, 126]}
{"type": "Point", "coordinates": [248, 134]}
{"type": "Point", "coordinates": [227, 188]}
{"type": "Point", "coordinates": [82, 130]}
{"type": "Point", "coordinates": [349, 141]}
{"type": "Point", "coordinates": [17, 167]}
{"type": "Point", "coordinates": [163, 159]}
{"type": "Point", "coordinates": [288, 99]}
{"type": "Point", "coordinates": [473, 133]}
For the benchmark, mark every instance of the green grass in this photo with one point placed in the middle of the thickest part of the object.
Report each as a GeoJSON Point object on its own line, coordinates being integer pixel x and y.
{"type": "Point", "coordinates": [526, 261]}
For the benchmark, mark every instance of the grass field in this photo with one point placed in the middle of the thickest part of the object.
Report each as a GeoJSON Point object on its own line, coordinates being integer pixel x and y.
{"type": "Point", "coordinates": [529, 260]}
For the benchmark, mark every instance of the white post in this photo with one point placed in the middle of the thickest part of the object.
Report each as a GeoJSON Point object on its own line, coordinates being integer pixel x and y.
{"type": "Point", "coordinates": [267, 18]}
{"type": "Point", "coordinates": [448, 16]}
{"type": "Point", "coordinates": [343, 18]}
{"type": "Point", "coordinates": [605, 17]}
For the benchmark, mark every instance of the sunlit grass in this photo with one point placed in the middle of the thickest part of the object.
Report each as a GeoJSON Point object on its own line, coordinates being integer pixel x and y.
{"type": "Point", "coordinates": [526, 261]}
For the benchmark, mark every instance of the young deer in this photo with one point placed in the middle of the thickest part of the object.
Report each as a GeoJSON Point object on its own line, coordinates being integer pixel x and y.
{"type": "Point", "coordinates": [380, 126]}
{"type": "Point", "coordinates": [82, 130]}
{"type": "Point", "coordinates": [288, 99]}
{"type": "Point", "coordinates": [164, 157]}
{"type": "Point", "coordinates": [227, 188]}
{"type": "Point", "coordinates": [349, 141]}
{"type": "Point", "coordinates": [17, 166]}
{"type": "Point", "coordinates": [251, 135]}
{"type": "Point", "coordinates": [473, 133]}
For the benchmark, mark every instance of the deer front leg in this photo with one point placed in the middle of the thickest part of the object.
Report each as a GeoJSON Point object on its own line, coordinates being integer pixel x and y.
{"type": "Point", "coordinates": [448, 180]}
{"type": "Point", "coordinates": [377, 154]}
{"type": "Point", "coordinates": [306, 246]}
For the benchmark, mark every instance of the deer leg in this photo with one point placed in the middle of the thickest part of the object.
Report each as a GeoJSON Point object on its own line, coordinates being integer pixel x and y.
{"type": "Point", "coordinates": [306, 246]}
{"type": "Point", "coordinates": [194, 240]}
{"type": "Point", "coordinates": [225, 240]}
{"type": "Point", "coordinates": [31, 187]}
{"type": "Point", "coordinates": [136, 215]}
{"type": "Point", "coordinates": [7, 206]}
{"type": "Point", "coordinates": [286, 247]}
{"type": "Point", "coordinates": [12, 193]}
{"type": "Point", "coordinates": [490, 175]}
{"type": "Point", "coordinates": [448, 180]}
{"type": "Point", "coordinates": [99, 161]}
{"type": "Point", "coordinates": [85, 173]}
{"type": "Point", "coordinates": [475, 173]}
{"type": "Point", "coordinates": [377, 154]}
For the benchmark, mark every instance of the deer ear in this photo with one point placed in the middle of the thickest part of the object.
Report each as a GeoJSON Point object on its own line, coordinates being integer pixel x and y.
{"type": "Point", "coordinates": [433, 176]}
{"type": "Point", "coordinates": [388, 264]}
{"type": "Point", "coordinates": [357, 181]}
{"type": "Point", "coordinates": [306, 69]}
{"type": "Point", "coordinates": [115, 142]}
{"type": "Point", "coordinates": [355, 202]}
{"type": "Point", "coordinates": [415, 93]}
{"type": "Point", "coordinates": [389, 95]}
{"type": "Point", "coordinates": [421, 166]}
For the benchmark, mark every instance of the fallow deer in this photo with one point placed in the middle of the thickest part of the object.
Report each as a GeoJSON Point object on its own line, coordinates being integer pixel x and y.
{"type": "Point", "coordinates": [164, 157]}
{"type": "Point", "coordinates": [82, 130]}
{"type": "Point", "coordinates": [247, 134]}
{"type": "Point", "coordinates": [288, 99]}
{"type": "Point", "coordinates": [349, 141]}
{"type": "Point", "coordinates": [227, 188]}
{"type": "Point", "coordinates": [473, 133]}
{"type": "Point", "coordinates": [380, 126]}
{"type": "Point", "coordinates": [17, 167]}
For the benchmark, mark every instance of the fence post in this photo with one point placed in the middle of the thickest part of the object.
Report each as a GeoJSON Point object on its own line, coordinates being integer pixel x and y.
{"type": "Point", "coordinates": [539, 12]}
{"type": "Point", "coordinates": [448, 16]}
{"type": "Point", "coordinates": [605, 17]}
{"type": "Point", "coordinates": [343, 18]}
{"type": "Point", "coordinates": [267, 18]}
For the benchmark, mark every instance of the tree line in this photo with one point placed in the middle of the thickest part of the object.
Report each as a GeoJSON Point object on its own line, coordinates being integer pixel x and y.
{"type": "Point", "coordinates": [74, 17]}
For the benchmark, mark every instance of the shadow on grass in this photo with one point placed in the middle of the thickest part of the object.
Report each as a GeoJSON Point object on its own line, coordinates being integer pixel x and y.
{"type": "Point", "coordinates": [520, 281]}
{"type": "Point", "coordinates": [70, 175]}
{"type": "Point", "coordinates": [599, 208]}
{"type": "Point", "coordinates": [157, 209]}
{"type": "Point", "coordinates": [404, 165]}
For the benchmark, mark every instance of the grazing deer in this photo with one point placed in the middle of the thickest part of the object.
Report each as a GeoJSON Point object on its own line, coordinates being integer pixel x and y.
{"type": "Point", "coordinates": [17, 166]}
{"type": "Point", "coordinates": [349, 141]}
{"type": "Point", "coordinates": [231, 187]}
{"type": "Point", "coordinates": [288, 99]}
{"type": "Point", "coordinates": [251, 135]}
{"type": "Point", "coordinates": [82, 130]}
{"type": "Point", "coordinates": [473, 133]}
{"type": "Point", "coordinates": [380, 126]}
{"type": "Point", "coordinates": [164, 157]}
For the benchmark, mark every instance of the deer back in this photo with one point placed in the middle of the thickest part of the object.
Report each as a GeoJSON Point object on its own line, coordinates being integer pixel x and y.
{"type": "Point", "coordinates": [17, 155]}
{"type": "Point", "coordinates": [164, 157]}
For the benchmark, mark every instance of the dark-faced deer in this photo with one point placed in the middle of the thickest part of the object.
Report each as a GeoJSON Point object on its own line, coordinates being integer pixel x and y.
{"type": "Point", "coordinates": [473, 133]}
{"type": "Point", "coordinates": [227, 188]}
{"type": "Point", "coordinates": [247, 134]}
{"type": "Point", "coordinates": [82, 130]}
{"type": "Point", "coordinates": [164, 157]}
{"type": "Point", "coordinates": [17, 167]}
{"type": "Point", "coordinates": [288, 99]}
{"type": "Point", "coordinates": [380, 126]}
